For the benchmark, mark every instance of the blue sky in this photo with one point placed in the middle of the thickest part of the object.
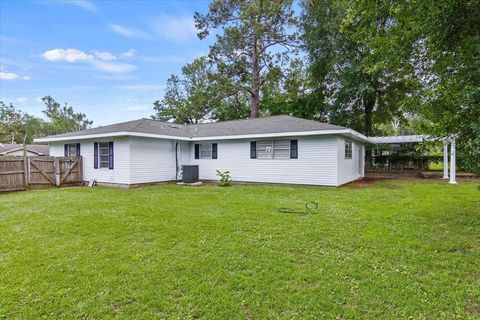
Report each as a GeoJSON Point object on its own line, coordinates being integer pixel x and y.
{"type": "Point", "coordinates": [109, 59]}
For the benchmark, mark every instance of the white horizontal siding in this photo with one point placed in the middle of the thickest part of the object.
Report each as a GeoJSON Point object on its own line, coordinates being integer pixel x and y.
{"type": "Point", "coordinates": [316, 163]}
{"type": "Point", "coordinates": [152, 160]}
{"type": "Point", "coordinates": [349, 169]}
{"type": "Point", "coordinates": [121, 158]}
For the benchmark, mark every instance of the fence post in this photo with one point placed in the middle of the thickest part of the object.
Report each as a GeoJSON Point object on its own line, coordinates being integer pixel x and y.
{"type": "Point", "coordinates": [56, 169]}
{"type": "Point", "coordinates": [25, 167]}
{"type": "Point", "coordinates": [80, 169]}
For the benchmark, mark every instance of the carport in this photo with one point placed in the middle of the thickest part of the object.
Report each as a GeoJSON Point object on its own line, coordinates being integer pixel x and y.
{"type": "Point", "coordinates": [450, 141]}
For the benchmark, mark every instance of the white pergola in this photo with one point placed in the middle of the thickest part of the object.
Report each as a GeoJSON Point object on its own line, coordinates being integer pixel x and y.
{"type": "Point", "coordinates": [421, 138]}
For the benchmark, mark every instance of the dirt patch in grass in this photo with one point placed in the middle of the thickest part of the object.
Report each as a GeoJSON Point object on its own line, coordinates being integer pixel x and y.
{"type": "Point", "coordinates": [472, 308]}
{"type": "Point", "coordinates": [364, 183]}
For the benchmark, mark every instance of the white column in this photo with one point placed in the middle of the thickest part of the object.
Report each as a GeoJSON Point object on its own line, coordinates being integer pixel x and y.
{"type": "Point", "coordinates": [445, 159]}
{"type": "Point", "coordinates": [452, 162]}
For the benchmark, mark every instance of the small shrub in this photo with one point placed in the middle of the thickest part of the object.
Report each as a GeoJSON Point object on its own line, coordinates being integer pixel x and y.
{"type": "Point", "coordinates": [225, 178]}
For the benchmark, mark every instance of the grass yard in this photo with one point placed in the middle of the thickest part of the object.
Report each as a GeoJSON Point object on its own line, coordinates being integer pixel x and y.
{"type": "Point", "coordinates": [396, 249]}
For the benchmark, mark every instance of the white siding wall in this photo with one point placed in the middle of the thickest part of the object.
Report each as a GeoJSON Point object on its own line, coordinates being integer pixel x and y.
{"type": "Point", "coordinates": [152, 160]}
{"type": "Point", "coordinates": [121, 159]}
{"type": "Point", "coordinates": [316, 163]}
{"type": "Point", "coordinates": [350, 169]}
{"type": "Point", "coordinates": [321, 161]}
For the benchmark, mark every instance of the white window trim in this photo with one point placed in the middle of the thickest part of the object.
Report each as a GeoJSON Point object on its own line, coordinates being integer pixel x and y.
{"type": "Point", "coordinates": [74, 146]}
{"type": "Point", "coordinates": [272, 143]}
{"type": "Point", "coordinates": [100, 155]}
{"type": "Point", "coordinates": [348, 142]}
{"type": "Point", "coordinates": [208, 146]}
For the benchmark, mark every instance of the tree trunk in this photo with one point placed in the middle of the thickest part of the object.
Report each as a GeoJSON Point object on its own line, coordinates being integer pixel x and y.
{"type": "Point", "coordinates": [255, 89]}
{"type": "Point", "coordinates": [369, 105]}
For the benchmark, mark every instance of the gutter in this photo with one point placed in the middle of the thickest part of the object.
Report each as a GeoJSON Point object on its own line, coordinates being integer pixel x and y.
{"type": "Point", "coordinates": [348, 132]}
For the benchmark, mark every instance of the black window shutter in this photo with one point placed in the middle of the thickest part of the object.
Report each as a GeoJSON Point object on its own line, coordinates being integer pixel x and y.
{"type": "Point", "coordinates": [78, 149]}
{"type": "Point", "coordinates": [293, 149]}
{"type": "Point", "coordinates": [95, 155]}
{"type": "Point", "coordinates": [197, 151]}
{"type": "Point", "coordinates": [65, 150]}
{"type": "Point", "coordinates": [253, 149]}
{"type": "Point", "coordinates": [214, 151]}
{"type": "Point", "coordinates": [110, 155]}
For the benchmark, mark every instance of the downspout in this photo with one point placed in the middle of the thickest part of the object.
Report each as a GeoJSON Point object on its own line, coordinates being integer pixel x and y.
{"type": "Point", "coordinates": [176, 161]}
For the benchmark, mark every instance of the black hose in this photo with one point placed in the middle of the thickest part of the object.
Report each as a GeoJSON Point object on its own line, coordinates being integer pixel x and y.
{"type": "Point", "coordinates": [310, 207]}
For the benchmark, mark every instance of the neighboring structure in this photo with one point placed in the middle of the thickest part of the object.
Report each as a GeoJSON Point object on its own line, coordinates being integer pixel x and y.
{"type": "Point", "coordinates": [16, 150]}
{"type": "Point", "coordinates": [277, 149]}
{"type": "Point", "coordinates": [420, 138]}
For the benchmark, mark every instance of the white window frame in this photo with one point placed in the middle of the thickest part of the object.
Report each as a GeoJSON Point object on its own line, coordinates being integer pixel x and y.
{"type": "Point", "coordinates": [205, 151]}
{"type": "Point", "coordinates": [72, 147]}
{"type": "Point", "coordinates": [348, 149]}
{"type": "Point", "coordinates": [271, 149]}
{"type": "Point", "coordinates": [103, 147]}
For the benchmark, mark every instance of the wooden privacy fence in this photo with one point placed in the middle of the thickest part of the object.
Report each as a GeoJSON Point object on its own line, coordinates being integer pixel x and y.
{"type": "Point", "coordinates": [21, 173]}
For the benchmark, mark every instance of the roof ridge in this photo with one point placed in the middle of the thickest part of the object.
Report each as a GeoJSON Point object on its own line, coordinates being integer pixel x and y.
{"type": "Point", "coordinates": [244, 119]}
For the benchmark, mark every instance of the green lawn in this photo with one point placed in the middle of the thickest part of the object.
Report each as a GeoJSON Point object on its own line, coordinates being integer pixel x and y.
{"type": "Point", "coordinates": [396, 249]}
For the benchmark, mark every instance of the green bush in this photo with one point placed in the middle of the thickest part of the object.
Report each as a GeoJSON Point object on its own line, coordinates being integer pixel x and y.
{"type": "Point", "coordinates": [225, 178]}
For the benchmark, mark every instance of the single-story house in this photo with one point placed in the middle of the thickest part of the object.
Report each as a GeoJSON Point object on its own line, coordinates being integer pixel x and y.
{"type": "Point", "coordinates": [16, 150]}
{"type": "Point", "coordinates": [276, 149]}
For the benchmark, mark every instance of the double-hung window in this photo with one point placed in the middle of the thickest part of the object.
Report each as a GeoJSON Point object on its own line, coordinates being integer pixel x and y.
{"type": "Point", "coordinates": [72, 149]}
{"type": "Point", "coordinates": [103, 154]}
{"type": "Point", "coordinates": [206, 151]}
{"type": "Point", "coordinates": [274, 149]}
{"type": "Point", "coordinates": [348, 149]}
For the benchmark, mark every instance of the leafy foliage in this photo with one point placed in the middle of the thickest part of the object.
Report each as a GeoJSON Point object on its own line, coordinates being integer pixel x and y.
{"type": "Point", "coordinates": [256, 38]}
{"type": "Point", "coordinates": [187, 99]}
{"type": "Point", "coordinates": [20, 127]}
{"type": "Point", "coordinates": [63, 119]}
{"type": "Point", "coordinates": [17, 126]}
{"type": "Point", "coordinates": [225, 178]}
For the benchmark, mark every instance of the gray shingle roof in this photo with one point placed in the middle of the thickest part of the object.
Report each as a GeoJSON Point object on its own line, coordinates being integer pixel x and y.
{"type": "Point", "coordinates": [5, 148]}
{"type": "Point", "coordinates": [273, 124]}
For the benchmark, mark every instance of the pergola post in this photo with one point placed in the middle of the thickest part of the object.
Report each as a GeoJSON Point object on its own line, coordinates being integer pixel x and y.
{"type": "Point", "coordinates": [452, 162]}
{"type": "Point", "coordinates": [445, 159]}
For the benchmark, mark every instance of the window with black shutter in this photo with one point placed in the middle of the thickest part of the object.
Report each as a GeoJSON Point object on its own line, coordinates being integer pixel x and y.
{"type": "Point", "coordinates": [293, 149]}
{"type": "Point", "coordinates": [214, 151]}
{"type": "Point", "coordinates": [72, 149]}
{"type": "Point", "coordinates": [253, 149]}
{"type": "Point", "coordinates": [103, 155]}
{"type": "Point", "coordinates": [95, 155]}
{"type": "Point", "coordinates": [110, 155]}
{"type": "Point", "coordinates": [197, 151]}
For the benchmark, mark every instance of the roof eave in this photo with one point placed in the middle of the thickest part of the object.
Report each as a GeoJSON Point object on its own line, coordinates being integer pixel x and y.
{"type": "Point", "coordinates": [348, 132]}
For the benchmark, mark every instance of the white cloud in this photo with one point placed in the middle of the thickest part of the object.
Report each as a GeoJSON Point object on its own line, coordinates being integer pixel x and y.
{"type": "Point", "coordinates": [119, 77]}
{"type": "Point", "coordinates": [175, 28]}
{"type": "Point", "coordinates": [83, 4]}
{"type": "Point", "coordinates": [113, 67]}
{"type": "Point", "coordinates": [130, 53]}
{"type": "Point", "coordinates": [22, 99]}
{"type": "Point", "coordinates": [142, 87]}
{"type": "Point", "coordinates": [128, 32]}
{"type": "Point", "coordinates": [4, 75]}
{"type": "Point", "coordinates": [99, 60]}
{"type": "Point", "coordinates": [104, 55]}
{"type": "Point", "coordinates": [68, 55]}
{"type": "Point", "coordinates": [26, 78]}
